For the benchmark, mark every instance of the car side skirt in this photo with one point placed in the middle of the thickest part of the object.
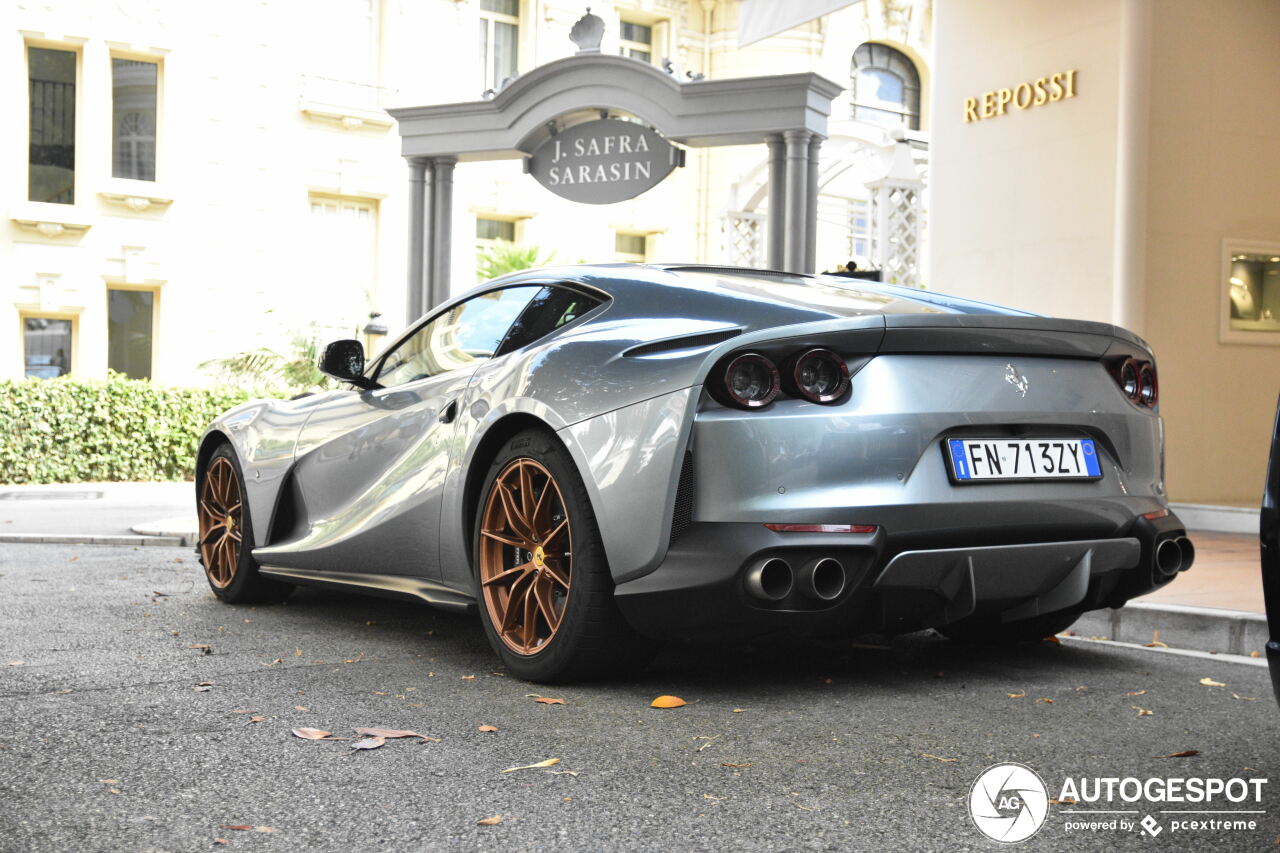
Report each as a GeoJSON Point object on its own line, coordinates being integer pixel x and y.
{"type": "Point", "coordinates": [392, 586]}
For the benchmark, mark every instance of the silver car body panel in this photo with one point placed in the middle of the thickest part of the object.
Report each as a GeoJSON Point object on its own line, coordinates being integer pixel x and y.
{"type": "Point", "coordinates": [373, 484]}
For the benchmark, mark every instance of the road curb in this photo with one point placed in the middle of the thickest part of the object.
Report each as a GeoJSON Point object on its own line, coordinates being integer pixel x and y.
{"type": "Point", "coordinates": [94, 539]}
{"type": "Point", "coordinates": [1180, 626]}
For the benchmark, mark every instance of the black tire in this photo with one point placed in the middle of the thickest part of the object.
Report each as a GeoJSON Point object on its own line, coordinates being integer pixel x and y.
{"type": "Point", "coordinates": [245, 585]}
{"type": "Point", "coordinates": [592, 639]}
{"type": "Point", "coordinates": [992, 631]}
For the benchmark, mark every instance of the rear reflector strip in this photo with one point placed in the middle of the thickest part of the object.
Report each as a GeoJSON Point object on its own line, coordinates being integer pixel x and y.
{"type": "Point", "coordinates": [823, 528]}
{"type": "Point", "coordinates": [1152, 516]}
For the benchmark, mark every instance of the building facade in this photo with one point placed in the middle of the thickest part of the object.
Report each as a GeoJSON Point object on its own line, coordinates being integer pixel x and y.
{"type": "Point", "coordinates": [1112, 160]}
{"type": "Point", "coordinates": [187, 187]}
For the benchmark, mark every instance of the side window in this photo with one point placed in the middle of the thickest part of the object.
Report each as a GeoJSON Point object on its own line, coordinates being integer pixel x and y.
{"type": "Point", "coordinates": [467, 333]}
{"type": "Point", "coordinates": [552, 308]}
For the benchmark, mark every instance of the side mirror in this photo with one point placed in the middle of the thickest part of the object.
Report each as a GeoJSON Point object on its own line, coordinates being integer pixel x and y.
{"type": "Point", "coordinates": [345, 360]}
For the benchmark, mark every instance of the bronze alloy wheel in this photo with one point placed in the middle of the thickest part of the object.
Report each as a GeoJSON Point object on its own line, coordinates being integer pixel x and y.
{"type": "Point", "coordinates": [221, 520]}
{"type": "Point", "coordinates": [526, 565]}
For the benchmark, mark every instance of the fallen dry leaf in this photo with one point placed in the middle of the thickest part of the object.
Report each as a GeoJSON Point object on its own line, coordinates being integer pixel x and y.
{"type": "Point", "coordinates": [731, 764]}
{"type": "Point", "coordinates": [239, 827]}
{"type": "Point", "coordinates": [1045, 700]}
{"type": "Point", "coordinates": [667, 702]}
{"type": "Point", "coordinates": [387, 733]}
{"type": "Point", "coordinates": [109, 781]}
{"type": "Point", "coordinates": [1053, 640]}
{"type": "Point", "coordinates": [1142, 712]}
{"type": "Point", "coordinates": [205, 684]}
{"type": "Point", "coordinates": [369, 743]}
{"type": "Point", "coordinates": [550, 762]}
{"type": "Point", "coordinates": [1244, 698]}
{"type": "Point", "coordinates": [938, 757]}
{"type": "Point", "coordinates": [489, 821]}
{"type": "Point", "coordinates": [311, 734]}
{"type": "Point", "coordinates": [487, 729]}
{"type": "Point", "coordinates": [221, 841]}
{"type": "Point", "coordinates": [202, 647]}
{"type": "Point", "coordinates": [258, 719]}
{"type": "Point", "coordinates": [738, 710]}
{"type": "Point", "coordinates": [273, 663]}
{"type": "Point", "coordinates": [1016, 695]}
{"type": "Point", "coordinates": [1255, 654]}
{"type": "Point", "coordinates": [548, 701]}
{"type": "Point", "coordinates": [1209, 682]}
{"type": "Point", "coordinates": [1186, 753]}
{"type": "Point", "coordinates": [1135, 693]}
{"type": "Point", "coordinates": [265, 828]}
{"type": "Point", "coordinates": [468, 678]}
{"type": "Point", "coordinates": [299, 707]}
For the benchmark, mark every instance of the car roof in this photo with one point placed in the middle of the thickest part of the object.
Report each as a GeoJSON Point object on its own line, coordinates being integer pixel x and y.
{"type": "Point", "coordinates": [770, 291]}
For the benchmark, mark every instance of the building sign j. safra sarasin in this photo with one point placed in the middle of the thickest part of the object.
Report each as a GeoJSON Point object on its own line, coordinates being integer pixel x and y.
{"type": "Point", "coordinates": [603, 161]}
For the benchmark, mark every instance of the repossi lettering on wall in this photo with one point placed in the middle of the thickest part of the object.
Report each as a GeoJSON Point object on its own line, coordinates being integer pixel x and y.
{"type": "Point", "coordinates": [1032, 93]}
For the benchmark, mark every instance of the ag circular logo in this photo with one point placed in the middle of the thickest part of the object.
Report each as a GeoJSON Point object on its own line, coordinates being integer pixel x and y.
{"type": "Point", "coordinates": [1008, 802]}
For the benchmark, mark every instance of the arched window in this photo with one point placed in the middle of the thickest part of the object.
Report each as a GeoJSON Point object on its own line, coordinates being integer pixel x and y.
{"type": "Point", "coordinates": [885, 87]}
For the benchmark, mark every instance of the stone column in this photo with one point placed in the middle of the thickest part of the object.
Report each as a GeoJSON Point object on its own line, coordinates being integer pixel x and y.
{"type": "Point", "coordinates": [416, 286]}
{"type": "Point", "coordinates": [811, 214]}
{"type": "Point", "coordinates": [441, 230]}
{"type": "Point", "coordinates": [777, 201]}
{"type": "Point", "coordinates": [797, 198]}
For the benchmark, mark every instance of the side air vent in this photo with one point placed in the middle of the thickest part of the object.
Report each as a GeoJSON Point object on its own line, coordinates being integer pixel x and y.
{"type": "Point", "coordinates": [704, 340]}
{"type": "Point", "coordinates": [682, 516]}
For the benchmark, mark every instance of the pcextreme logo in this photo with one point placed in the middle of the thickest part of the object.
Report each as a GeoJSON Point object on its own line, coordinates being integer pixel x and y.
{"type": "Point", "coordinates": [1009, 803]}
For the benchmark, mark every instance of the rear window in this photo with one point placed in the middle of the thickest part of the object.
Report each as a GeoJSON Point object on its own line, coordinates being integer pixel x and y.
{"type": "Point", "coordinates": [552, 308]}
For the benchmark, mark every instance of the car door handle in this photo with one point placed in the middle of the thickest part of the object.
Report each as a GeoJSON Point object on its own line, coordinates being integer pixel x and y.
{"type": "Point", "coordinates": [449, 412]}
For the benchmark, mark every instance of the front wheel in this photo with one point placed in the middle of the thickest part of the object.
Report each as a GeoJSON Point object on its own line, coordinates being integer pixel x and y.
{"type": "Point", "coordinates": [546, 592]}
{"type": "Point", "coordinates": [990, 630]}
{"type": "Point", "coordinates": [226, 535]}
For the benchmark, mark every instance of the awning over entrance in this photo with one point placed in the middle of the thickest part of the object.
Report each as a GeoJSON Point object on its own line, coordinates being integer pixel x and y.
{"type": "Point", "coordinates": [786, 112]}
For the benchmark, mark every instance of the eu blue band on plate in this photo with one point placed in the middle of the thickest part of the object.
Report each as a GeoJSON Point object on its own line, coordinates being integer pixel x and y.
{"type": "Point", "coordinates": [1090, 457]}
{"type": "Point", "coordinates": [961, 465]}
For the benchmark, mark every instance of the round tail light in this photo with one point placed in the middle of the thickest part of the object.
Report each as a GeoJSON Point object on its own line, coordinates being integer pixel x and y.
{"type": "Point", "coordinates": [1148, 387]}
{"type": "Point", "coordinates": [818, 375]}
{"type": "Point", "coordinates": [751, 381]}
{"type": "Point", "coordinates": [1130, 379]}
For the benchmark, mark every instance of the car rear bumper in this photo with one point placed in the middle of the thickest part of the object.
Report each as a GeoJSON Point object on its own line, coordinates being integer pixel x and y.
{"type": "Point", "coordinates": [710, 583]}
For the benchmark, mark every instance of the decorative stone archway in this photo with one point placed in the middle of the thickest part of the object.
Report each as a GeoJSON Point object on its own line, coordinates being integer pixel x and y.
{"type": "Point", "coordinates": [787, 112]}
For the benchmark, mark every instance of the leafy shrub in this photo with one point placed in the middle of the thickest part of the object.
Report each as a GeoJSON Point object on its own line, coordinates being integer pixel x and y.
{"type": "Point", "coordinates": [71, 430]}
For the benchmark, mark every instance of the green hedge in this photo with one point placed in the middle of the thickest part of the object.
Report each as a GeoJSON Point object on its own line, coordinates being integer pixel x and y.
{"type": "Point", "coordinates": [72, 430]}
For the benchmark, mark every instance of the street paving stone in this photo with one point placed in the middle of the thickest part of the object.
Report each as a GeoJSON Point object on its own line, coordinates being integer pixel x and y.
{"type": "Point", "coordinates": [836, 746]}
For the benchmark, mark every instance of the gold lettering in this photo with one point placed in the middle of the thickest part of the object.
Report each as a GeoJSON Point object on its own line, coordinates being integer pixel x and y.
{"type": "Point", "coordinates": [970, 110]}
{"type": "Point", "coordinates": [1071, 83]}
{"type": "Point", "coordinates": [1019, 101]}
{"type": "Point", "coordinates": [988, 104]}
{"type": "Point", "coordinates": [1003, 97]}
{"type": "Point", "coordinates": [1041, 94]}
{"type": "Point", "coordinates": [1055, 92]}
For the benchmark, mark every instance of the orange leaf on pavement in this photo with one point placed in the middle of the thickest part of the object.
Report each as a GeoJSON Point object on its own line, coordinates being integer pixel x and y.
{"type": "Point", "coordinates": [487, 729]}
{"type": "Point", "coordinates": [311, 734]}
{"type": "Point", "coordinates": [546, 700]}
{"type": "Point", "coordinates": [667, 702]}
{"type": "Point", "coordinates": [1186, 753]}
{"type": "Point", "coordinates": [392, 733]}
{"type": "Point", "coordinates": [490, 821]}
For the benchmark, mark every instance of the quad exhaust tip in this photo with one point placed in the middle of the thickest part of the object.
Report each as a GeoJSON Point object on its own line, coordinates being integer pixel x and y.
{"type": "Point", "coordinates": [1188, 552]}
{"type": "Point", "coordinates": [822, 579]}
{"type": "Point", "coordinates": [770, 579]}
{"type": "Point", "coordinates": [1169, 557]}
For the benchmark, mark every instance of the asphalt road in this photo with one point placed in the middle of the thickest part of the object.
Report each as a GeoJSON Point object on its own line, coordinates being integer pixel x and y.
{"type": "Point", "coordinates": [109, 745]}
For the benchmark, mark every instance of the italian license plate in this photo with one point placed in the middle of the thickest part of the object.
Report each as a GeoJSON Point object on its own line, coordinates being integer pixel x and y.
{"type": "Point", "coordinates": [985, 459]}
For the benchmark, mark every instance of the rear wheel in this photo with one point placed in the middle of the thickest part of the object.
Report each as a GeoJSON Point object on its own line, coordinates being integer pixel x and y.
{"type": "Point", "coordinates": [546, 592]}
{"type": "Point", "coordinates": [991, 630]}
{"type": "Point", "coordinates": [226, 535]}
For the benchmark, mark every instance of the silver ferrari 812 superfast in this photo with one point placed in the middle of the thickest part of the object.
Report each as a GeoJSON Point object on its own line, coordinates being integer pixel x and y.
{"type": "Point", "coordinates": [597, 457]}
